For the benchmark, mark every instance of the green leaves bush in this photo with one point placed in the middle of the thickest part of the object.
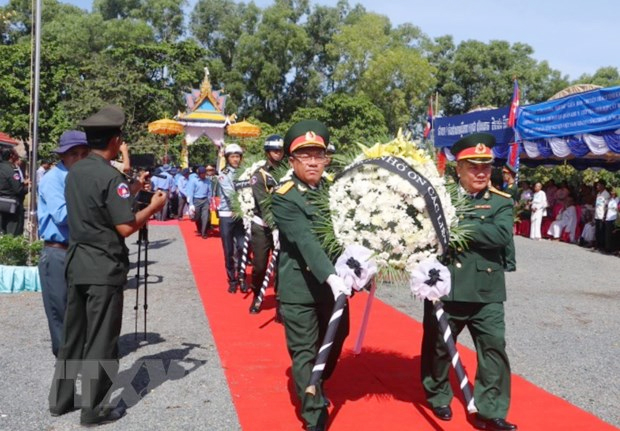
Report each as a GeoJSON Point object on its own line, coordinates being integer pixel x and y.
{"type": "Point", "coordinates": [17, 251]}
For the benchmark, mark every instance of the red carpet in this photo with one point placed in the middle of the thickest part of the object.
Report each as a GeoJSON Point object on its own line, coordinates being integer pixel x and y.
{"type": "Point", "coordinates": [376, 390]}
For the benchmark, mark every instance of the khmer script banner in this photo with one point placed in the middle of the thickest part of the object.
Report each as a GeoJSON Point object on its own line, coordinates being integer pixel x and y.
{"type": "Point", "coordinates": [592, 111]}
{"type": "Point", "coordinates": [448, 130]}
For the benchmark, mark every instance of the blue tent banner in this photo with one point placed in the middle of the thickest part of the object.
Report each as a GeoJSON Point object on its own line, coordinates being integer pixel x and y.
{"type": "Point", "coordinates": [588, 112]}
{"type": "Point", "coordinates": [448, 130]}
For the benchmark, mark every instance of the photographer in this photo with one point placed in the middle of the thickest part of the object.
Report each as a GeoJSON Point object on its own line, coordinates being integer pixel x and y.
{"type": "Point", "coordinates": [13, 189]}
{"type": "Point", "coordinates": [100, 218]}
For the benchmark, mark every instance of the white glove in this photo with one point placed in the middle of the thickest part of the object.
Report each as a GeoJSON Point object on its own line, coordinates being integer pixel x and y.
{"type": "Point", "coordinates": [247, 224]}
{"type": "Point", "coordinates": [192, 211]}
{"type": "Point", "coordinates": [275, 235]}
{"type": "Point", "coordinates": [338, 286]}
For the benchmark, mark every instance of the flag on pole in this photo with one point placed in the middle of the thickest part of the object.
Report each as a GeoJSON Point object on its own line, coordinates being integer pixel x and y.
{"type": "Point", "coordinates": [429, 119]}
{"type": "Point", "coordinates": [512, 116]}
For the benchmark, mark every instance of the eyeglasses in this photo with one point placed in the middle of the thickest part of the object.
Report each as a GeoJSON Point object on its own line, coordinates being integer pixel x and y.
{"type": "Point", "coordinates": [307, 158]}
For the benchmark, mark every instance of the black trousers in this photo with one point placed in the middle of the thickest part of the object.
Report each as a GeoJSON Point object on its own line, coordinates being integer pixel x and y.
{"type": "Point", "coordinates": [13, 224]}
{"type": "Point", "coordinates": [599, 233]}
{"type": "Point", "coordinates": [91, 330]}
{"type": "Point", "coordinates": [609, 229]}
{"type": "Point", "coordinates": [232, 233]}
{"type": "Point", "coordinates": [54, 291]}
{"type": "Point", "coordinates": [202, 216]}
{"type": "Point", "coordinates": [262, 244]}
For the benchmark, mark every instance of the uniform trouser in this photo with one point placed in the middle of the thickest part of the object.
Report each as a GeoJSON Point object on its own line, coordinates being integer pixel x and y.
{"type": "Point", "coordinates": [13, 224]}
{"type": "Point", "coordinates": [181, 205]}
{"type": "Point", "coordinates": [609, 229]}
{"type": "Point", "coordinates": [262, 243]}
{"type": "Point", "coordinates": [232, 233]}
{"type": "Point", "coordinates": [54, 291]}
{"type": "Point", "coordinates": [162, 215]}
{"type": "Point", "coordinates": [599, 232]}
{"type": "Point", "coordinates": [174, 203]}
{"type": "Point", "coordinates": [91, 331]}
{"type": "Point", "coordinates": [305, 326]}
{"type": "Point", "coordinates": [202, 217]}
{"type": "Point", "coordinates": [486, 326]}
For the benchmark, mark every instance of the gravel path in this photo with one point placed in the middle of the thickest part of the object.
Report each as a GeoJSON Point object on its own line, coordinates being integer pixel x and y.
{"type": "Point", "coordinates": [562, 325]}
{"type": "Point", "coordinates": [189, 393]}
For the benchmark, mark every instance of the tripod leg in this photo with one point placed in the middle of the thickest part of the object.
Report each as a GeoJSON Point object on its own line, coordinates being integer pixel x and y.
{"type": "Point", "coordinates": [137, 286]}
{"type": "Point", "coordinates": [146, 274]}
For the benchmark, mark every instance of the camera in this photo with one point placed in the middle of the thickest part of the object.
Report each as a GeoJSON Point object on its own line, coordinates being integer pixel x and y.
{"type": "Point", "coordinates": [143, 199]}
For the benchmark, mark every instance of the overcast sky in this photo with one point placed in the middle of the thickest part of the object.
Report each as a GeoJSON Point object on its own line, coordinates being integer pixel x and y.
{"type": "Point", "coordinates": [575, 37]}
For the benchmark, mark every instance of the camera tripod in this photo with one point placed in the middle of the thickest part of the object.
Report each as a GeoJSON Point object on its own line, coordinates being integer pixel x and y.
{"type": "Point", "coordinates": [143, 238]}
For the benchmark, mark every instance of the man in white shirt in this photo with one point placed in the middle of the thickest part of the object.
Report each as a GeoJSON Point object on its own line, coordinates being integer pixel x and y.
{"type": "Point", "coordinates": [600, 208]}
{"type": "Point", "coordinates": [566, 220]}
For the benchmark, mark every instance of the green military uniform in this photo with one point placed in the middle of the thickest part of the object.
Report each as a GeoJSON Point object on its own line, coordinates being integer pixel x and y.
{"type": "Point", "coordinates": [475, 300]}
{"type": "Point", "coordinates": [511, 254]}
{"type": "Point", "coordinates": [263, 184]}
{"type": "Point", "coordinates": [98, 199]}
{"type": "Point", "coordinates": [11, 187]}
{"type": "Point", "coordinates": [306, 300]}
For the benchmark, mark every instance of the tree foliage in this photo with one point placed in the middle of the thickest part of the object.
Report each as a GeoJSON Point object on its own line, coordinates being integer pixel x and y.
{"type": "Point", "coordinates": [349, 67]}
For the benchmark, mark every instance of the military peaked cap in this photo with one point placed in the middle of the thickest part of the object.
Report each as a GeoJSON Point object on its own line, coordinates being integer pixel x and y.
{"type": "Point", "coordinates": [475, 148]}
{"type": "Point", "coordinates": [110, 117]}
{"type": "Point", "coordinates": [306, 133]}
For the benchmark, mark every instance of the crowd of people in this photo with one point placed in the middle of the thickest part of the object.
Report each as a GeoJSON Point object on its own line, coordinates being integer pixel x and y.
{"type": "Point", "coordinates": [584, 215]}
{"type": "Point", "coordinates": [86, 213]}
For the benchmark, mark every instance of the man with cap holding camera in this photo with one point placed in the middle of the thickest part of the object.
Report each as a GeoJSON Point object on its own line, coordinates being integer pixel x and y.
{"type": "Point", "coordinates": [307, 280]}
{"type": "Point", "coordinates": [54, 231]}
{"type": "Point", "coordinates": [477, 296]}
{"type": "Point", "coordinates": [13, 189]}
{"type": "Point", "coordinates": [231, 228]}
{"type": "Point", "coordinates": [100, 216]}
{"type": "Point", "coordinates": [264, 232]}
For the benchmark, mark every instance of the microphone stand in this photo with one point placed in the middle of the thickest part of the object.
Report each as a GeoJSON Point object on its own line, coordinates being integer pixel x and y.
{"type": "Point", "coordinates": [143, 238]}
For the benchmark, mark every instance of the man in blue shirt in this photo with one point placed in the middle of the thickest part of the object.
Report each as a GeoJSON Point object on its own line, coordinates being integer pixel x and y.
{"type": "Point", "coordinates": [181, 181]}
{"type": "Point", "coordinates": [199, 193]}
{"type": "Point", "coordinates": [54, 231]}
{"type": "Point", "coordinates": [231, 227]}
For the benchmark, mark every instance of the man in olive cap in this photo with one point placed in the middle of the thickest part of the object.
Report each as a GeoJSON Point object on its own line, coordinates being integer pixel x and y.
{"type": "Point", "coordinates": [100, 216]}
{"type": "Point", "coordinates": [477, 296]}
{"type": "Point", "coordinates": [307, 280]}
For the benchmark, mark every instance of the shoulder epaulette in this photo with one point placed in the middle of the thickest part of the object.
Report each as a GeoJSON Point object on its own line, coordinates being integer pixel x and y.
{"type": "Point", "coordinates": [499, 192]}
{"type": "Point", "coordinates": [285, 188]}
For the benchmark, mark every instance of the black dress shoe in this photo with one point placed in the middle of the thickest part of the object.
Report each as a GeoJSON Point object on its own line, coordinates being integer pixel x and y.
{"type": "Point", "coordinates": [317, 428]}
{"type": "Point", "coordinates": [443, 412]}
{"type": "Point", "coordinates": [497, 424]}
{"type": "Point", "coordinates": [113, 415]}
{"type": "Point", "coordinates": [255, 307]}
{"type": "Point", "coordinates": [232, 288]}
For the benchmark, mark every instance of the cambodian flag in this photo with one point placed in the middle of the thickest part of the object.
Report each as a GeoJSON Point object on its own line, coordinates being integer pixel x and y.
{"type": "Point", "coordinates": [512, 116]}
{"type": "Point", "coordinates": [429, 119]}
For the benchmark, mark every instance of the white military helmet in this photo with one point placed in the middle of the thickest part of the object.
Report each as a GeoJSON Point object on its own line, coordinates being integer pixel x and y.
{"type": "Point", "coordinates": [233, 149]}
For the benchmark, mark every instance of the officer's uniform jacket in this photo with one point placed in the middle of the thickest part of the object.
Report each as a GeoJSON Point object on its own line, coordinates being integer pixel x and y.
{"type": "Point", "coordinates": [98, 199]}
{"type": "Point", "coordinates": [11, 185]}
{"type": "Point", "coordinates": [263, 184]}
{"type": "Point", "coordinates": [303, 264]}
{"type": "Point", "coordinates": [226, 188]}
{"type": "Point", "coordinates": [478, 270]}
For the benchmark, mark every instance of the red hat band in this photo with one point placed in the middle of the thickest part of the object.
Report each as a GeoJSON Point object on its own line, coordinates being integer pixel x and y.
{"type": "Point", "coordinates": [310, 139]}
{"type": "Point", "coordinates": [479, 151]}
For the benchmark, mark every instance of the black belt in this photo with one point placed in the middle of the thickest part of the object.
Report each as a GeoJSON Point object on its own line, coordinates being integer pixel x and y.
{"type": "Point", "coordinates": [56, 244]}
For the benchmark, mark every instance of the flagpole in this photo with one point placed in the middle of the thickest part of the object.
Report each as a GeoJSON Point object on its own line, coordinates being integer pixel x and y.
{"type": "Point", "coordinates": [34, 138]}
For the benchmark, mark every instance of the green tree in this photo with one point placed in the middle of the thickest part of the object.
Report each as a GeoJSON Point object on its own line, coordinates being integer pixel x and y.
{"type": "Point", "coordinates": [605, 77]}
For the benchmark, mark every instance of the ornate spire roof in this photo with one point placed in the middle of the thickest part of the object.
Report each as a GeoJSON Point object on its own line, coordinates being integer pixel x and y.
{"type": "Point", "coordinates": [204, 106]}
